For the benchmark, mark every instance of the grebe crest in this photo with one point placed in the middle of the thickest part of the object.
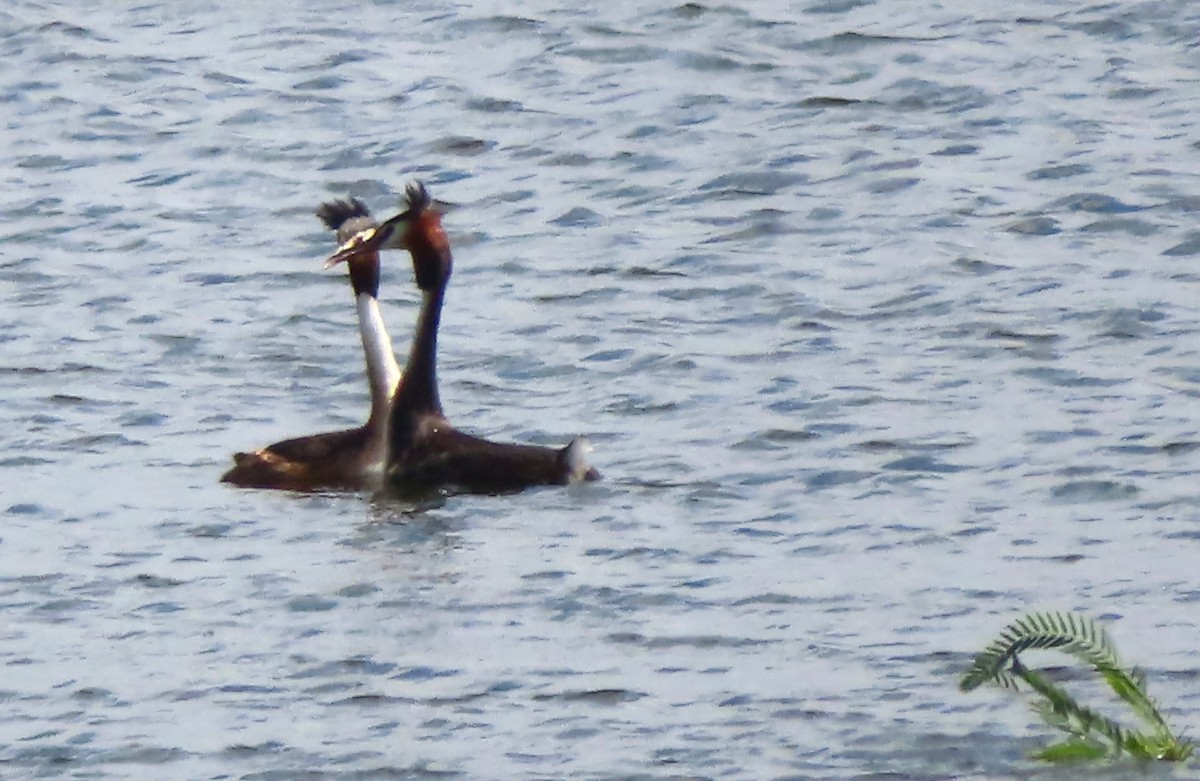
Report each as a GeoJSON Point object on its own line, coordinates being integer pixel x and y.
{"type": "Point", "coordinates": [346, 218]}
{"type": "Point", "coordinates": [417, 198]}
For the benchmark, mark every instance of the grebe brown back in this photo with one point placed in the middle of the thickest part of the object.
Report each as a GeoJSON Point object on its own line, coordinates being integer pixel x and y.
{"type": "Point", "coordinates": [425, 450]}
{"type": "Point", "coordinates": [355, 458]}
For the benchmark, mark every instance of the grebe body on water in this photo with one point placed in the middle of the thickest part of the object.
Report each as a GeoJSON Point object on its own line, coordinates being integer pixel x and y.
{"type": "Point", "coordinates": [355, 458]}
{"type": "Point", "coordinates": [425, 450]}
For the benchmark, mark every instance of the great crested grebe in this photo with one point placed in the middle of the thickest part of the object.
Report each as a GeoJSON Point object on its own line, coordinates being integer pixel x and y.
{"type": "Point", "coordinates": [351, 459]}
{"type": "Point", "coordinates": [425, 451]}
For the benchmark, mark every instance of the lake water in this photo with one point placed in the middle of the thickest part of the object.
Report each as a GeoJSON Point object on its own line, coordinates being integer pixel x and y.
{"type": "Point", "coordinates": [881, 317]}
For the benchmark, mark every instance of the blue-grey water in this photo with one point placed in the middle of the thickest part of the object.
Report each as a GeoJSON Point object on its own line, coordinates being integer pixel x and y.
{"type": "Point", "coordinates": [881, 317]}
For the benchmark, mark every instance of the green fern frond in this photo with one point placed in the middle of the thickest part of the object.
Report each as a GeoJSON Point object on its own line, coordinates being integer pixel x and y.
{"type": "Point", "coordinates": [1131, 688]}
{"type": "Point", "coordinates": [1069, 715]}
{"type": "Point", "coordinates": [1092, 735]}
{"type": "Point", "coordinates": [1076, 635]}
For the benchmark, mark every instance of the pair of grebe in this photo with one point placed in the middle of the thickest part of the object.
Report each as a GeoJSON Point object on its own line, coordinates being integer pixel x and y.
{"type": "Point", "coordinates": [407, 441]}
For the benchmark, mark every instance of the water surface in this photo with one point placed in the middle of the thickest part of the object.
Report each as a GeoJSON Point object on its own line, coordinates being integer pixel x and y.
{"type": "Point", "coordinates": [881, 318]}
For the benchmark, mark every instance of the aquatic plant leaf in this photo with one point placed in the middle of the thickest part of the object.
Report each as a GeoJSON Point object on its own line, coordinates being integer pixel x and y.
{"type": "Point", "coordinates": [1069, 716]}
{"type": "Point", "coordinates": [1093, 735]}
{"type": "Point", "coordinates": [1073, 750]}
{"type": "Point", "coordinates": [1077, 635]}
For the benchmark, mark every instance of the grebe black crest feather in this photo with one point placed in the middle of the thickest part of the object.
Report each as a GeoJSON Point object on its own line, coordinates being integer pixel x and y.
{"type": "Point", "coordinates": [417, 198]}
{"type": "Point", "coordinates": [336, 213]}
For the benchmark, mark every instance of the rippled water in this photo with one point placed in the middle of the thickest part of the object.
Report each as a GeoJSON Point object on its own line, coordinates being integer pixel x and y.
{"type": "Point", "coordinates": [881, 318]}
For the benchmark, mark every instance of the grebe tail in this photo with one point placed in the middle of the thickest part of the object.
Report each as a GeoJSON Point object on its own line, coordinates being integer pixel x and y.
{"type": "Point", "coordinates": [575, 463]}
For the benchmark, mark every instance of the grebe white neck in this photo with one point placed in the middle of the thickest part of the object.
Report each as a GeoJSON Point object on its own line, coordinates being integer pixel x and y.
{"type": "Point", "coordinates": [383, 372]}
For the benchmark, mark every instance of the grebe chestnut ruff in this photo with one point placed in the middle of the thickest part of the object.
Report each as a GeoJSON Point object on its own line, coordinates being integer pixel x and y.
{"type": "Point", "coordinates": [352, 459]}
{"type": "Point", "coordinates": [425, 450]}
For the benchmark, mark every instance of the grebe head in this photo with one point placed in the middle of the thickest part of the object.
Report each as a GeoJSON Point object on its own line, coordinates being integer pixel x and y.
{"type": "Point", "coordinates": [349, 219]}
{"type": "Point", "coordinates": [417, 229]}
